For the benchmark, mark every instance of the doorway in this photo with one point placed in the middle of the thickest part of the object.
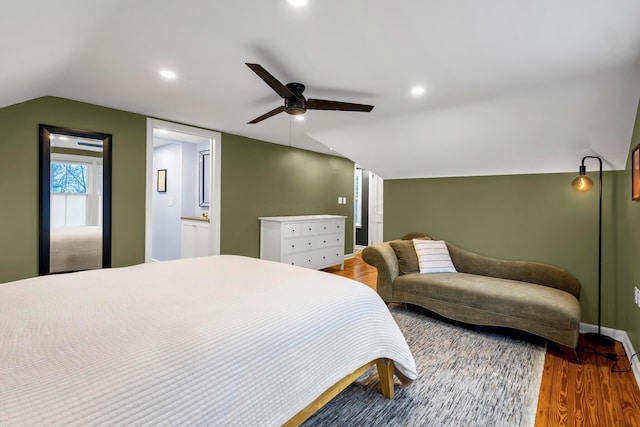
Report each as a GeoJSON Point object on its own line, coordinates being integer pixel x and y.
{"type": "Point", "coordinates": [183, 180]}
{"type": "Point", "coordinates": [368, 201]}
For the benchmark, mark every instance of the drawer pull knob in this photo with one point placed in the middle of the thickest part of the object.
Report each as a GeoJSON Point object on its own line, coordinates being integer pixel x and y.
{"type": "Point", "coordinates": [309, 243]}
{"type": "Point", "coordinates": [293, 246]}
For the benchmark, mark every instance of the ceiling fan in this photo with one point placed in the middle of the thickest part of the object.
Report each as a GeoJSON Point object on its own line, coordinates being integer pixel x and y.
{"type": "Point", "coordinates": [294, 102]}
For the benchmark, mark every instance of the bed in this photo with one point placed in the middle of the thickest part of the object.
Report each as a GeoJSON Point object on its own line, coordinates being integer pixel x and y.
{"type": "Point", "coordinates": [222, 340]}
{"type": "Point", "coordinates": [76, 248]}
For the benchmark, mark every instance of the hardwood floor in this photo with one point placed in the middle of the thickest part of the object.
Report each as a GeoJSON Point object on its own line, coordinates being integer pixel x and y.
{"type": "Point", "coordinates": [589, 394]}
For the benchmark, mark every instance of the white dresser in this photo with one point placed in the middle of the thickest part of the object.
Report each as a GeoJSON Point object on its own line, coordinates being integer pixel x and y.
{"type": "Point", "coordinates": [195, 237]}
{"type": "Point", "coordinates": [313, 241]}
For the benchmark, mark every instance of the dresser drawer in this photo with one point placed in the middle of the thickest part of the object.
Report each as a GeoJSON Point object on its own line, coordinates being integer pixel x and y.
{"type": "Point", "coordinates": [290, 246]}
{"type": "Point", "coordinates": [305, 259]}
{"type": "Point", "coordinates": [327, 240]}
{"type": "Point", "coordinates": [325, 227]}
{"type": "Point", "coordinates": [309, 228]}
{"type": "Point", "coordinates": [333, 226]}
{"type": "Point", "coordinates": [291, 230]}
{"type": "Point", "coordinates": [330, 256]}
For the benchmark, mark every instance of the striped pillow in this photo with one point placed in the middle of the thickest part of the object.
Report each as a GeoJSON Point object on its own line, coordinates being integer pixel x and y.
{"type": "Point", "coordinates": [433, 256]}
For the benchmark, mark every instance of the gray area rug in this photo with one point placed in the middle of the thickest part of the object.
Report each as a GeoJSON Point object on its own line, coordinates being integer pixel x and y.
{"type": "Point", "coordinates": [465, 378]}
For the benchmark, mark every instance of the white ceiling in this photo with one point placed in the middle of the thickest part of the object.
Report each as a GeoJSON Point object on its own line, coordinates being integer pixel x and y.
{"type": "Point", "coordinates": [512, 86]}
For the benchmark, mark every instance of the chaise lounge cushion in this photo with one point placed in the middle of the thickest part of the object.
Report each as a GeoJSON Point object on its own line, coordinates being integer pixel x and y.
{"type": "Point", "coordinates": [406, 254]}
{"type": "Point", "coordinates": [433, 256]}
{"type": "Point", "coordinates": [479, 299]}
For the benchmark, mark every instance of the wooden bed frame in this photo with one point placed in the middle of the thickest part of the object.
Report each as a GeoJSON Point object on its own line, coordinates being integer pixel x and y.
{"type": "Point", "coordinates": [385, 372]}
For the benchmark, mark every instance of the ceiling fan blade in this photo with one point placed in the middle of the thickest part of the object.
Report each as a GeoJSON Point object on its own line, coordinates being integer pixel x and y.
{"type": "Point", "coordinates": [280, 89]}
{"type": "Point", "coordinates": [321, 104]}
{"type": "Point", "coordinates": [267, 115]}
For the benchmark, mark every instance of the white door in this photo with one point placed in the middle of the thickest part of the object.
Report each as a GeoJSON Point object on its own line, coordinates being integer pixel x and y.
{"type": "Point", "coordinates": [375, 208]}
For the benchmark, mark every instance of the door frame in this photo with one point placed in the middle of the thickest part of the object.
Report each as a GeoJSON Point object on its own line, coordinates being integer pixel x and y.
{"type": "Point", "coordinates": [376, 210]}
{"type": "Point", "coordinates": [215, 184]}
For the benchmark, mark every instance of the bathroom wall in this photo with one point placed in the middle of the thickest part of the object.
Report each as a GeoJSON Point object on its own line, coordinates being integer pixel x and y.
{"type": "Point", "coordinates": [181, 160]}
{"type": "Point", "coordinates": [167, 207]}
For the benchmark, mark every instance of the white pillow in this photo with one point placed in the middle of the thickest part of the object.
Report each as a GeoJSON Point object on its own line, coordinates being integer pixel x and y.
{"type": "Point", "coordinates": [433, 256]}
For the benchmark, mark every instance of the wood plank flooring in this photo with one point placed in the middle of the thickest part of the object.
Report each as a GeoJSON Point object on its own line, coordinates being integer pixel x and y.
{"type": "Point", "coordinates": [570, 394]}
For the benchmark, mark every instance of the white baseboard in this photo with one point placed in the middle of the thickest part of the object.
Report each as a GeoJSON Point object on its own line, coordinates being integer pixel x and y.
{"type": "Point", "coordinates": [153, 260]}
{"type": "Point", "coordinates": [617, 335]}
{"type": "Point", "coordinates": [359, 248]}
{"type": "Point", "coordinates": [349, 256]}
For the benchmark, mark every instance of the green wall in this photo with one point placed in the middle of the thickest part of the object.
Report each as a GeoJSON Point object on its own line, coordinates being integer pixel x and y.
{"type": "Point", "coordinates": [19, 178]}
{"type": "Point", "coordinates": [538, 218]}
{"type": "Point", "coordinates": [629, 262]}
{"type": "Point", "coordinates": [525, 217]}
{"type": "Point", "coordinates": [258, 179]}
{"type": "Point", "coordinates": [263, 179]}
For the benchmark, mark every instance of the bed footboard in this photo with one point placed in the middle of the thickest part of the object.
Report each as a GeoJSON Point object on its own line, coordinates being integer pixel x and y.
{"type": "Point", "coordinates": [385, 372]}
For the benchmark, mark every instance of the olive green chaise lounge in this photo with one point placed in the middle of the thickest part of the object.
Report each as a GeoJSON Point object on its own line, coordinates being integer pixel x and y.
{"type": "Point", "coordinates": [537, 298]}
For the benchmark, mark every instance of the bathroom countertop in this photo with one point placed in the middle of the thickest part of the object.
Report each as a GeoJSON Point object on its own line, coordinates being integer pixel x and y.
{"type": "Point", "coordinates": [196, 218]}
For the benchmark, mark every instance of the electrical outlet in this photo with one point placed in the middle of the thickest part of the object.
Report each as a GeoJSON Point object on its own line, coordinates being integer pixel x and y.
{"type": "Point", "coordinates": [636, 296]}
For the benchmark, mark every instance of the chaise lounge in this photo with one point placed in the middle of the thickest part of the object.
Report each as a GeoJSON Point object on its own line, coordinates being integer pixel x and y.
{"type": "Point", "coordinates": [537, 298]}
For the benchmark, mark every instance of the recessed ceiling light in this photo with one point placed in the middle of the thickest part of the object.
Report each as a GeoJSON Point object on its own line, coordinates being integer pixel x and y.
{"type": "Point", "coordinates": [297, 2]}
{"type": "Point", "coordinates": [300, 117]}
{"type": "Point", "coordinates": [167, 74]}
{"type": "Point", "coordinates": [417, 90]}
{"type": "Point", "coordinates": [162, 130]}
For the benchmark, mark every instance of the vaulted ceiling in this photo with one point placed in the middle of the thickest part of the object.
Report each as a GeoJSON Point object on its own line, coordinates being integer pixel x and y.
{"type": "Point", "coordinates": [510, 86]}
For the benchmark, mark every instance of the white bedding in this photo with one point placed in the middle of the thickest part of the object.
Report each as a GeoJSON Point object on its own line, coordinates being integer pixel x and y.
{"type": "Point", "coordinates": [222, 340]}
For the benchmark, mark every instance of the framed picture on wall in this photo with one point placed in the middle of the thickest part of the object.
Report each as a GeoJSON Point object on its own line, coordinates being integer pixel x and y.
{"type": "Point", "coordinates": [162, 180]}
{"type": "Point", "coordinates": [635, 173]}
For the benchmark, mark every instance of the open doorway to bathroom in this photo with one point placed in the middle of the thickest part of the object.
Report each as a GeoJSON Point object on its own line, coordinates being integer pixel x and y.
{"type": "Point", "coordinates": [368, 203]}
{"type": "Point", "coordinates": [183, 191]}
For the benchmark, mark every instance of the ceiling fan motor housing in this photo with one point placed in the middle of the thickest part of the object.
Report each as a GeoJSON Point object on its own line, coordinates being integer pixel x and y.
{"type": "Point", "coordinates": [295, 106]}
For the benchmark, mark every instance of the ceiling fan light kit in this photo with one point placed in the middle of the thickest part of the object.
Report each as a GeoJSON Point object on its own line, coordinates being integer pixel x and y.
{"type": "Point", "coordinates": [294, 101]}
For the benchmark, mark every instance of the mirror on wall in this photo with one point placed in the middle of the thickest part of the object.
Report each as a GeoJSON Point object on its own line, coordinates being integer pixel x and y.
{"type": "Point", "coordinates": [75, 200]}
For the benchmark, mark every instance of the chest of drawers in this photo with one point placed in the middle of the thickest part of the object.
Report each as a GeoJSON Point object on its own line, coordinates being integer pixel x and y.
{"type": "Point", "coordinates": [313, 241]}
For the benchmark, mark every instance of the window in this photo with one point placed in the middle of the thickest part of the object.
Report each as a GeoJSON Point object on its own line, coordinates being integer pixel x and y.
{"type": "Point", "coordinates": [76, 190]}
{"type": "Point", "coordinates": [69, 178]}
{"type": "Point", "coordinates": [357, 200]}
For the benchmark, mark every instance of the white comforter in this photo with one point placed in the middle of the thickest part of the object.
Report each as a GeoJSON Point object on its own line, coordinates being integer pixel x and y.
{"type": "Point", "coordinates": [222, 340]}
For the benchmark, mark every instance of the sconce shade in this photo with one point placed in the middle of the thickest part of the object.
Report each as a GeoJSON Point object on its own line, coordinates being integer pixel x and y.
{"type": "Point", "coordinates": [582, 182]}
